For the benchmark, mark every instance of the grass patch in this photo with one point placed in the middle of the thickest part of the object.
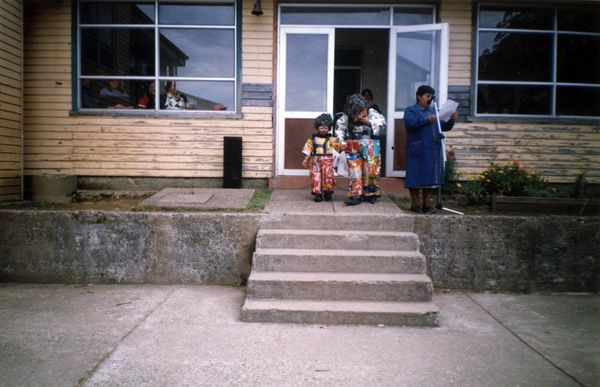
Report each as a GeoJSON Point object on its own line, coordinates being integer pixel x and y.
{"type": "Point", "coordinates": [259, 199]}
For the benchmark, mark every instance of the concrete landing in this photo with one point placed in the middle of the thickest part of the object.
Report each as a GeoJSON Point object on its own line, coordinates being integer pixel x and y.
{"type": "Point", "coordinates": [125, 335]}
{"type": "Point", "coordinates": [199, 198]}
{"type": "Point", "coordinates": [301, 201]}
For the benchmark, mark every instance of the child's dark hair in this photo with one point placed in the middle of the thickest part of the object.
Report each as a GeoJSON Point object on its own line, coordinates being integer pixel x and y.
{"type": "Point", "coordinates": [324, 118]}
{"type": "Point", "coordinates": [355, 105]}
{"type": "Point", "coordinates": [424, 89]}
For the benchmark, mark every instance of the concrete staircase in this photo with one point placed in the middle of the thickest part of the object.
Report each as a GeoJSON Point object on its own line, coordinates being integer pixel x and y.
{"type": "Point", "coordinates": [352, 270]}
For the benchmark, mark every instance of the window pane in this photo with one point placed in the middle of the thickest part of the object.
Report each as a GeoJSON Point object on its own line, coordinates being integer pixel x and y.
{"type": "Point", "coordinates": [412, 16]}
{"type": "Point", "coordinates": [516, 18]}
{"type": "Point", "coordinates": [513, 99]}
{"type": "Point", "coordinates": [587, 20]}
{"type": "Point", "coordinates": [416, 65]}
{"type": "Point", "coordinates": [578, 59]}
{"type": "Point", "coordinates": [306, 72]}
{"type": "Point", "coordinates": [194, 14]}
{"type": "Point", "coordinates": [515, 57]}
{"type": "Point", "coordinates": [197, 95]}
{"type": "Point", "coordinates": [117, 51]}
{"type": "Point", "coordinates": [197, 53]}
{"type": "Point", "coordinates": [355, 16]}
{"type": "Point", "coordinates": [116, 13]}
{"type": "Point", "coordinates": [578, 101]}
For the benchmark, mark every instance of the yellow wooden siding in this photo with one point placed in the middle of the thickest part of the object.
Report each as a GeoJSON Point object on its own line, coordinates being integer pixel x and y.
{"type": "Point", "coordinates": [11, 100]}
{"type": "Point", "coordinates": [257, 43]}
{"type": "Point", "coordinates": [560, 151]}
{"type": "Point", "coordinates": [57, 143]}
{"type": "Point", "coordinates": [458, 14]}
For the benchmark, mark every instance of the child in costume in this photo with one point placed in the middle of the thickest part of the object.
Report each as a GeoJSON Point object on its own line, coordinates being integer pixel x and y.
{"type": "Point", "coordinates": [318, 149]}
{"type": "Point", "coordinates": [358, 130]}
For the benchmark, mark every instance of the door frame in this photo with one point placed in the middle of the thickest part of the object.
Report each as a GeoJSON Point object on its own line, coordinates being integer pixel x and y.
{"type": "Point", "coordinates": [282, 114]}
{"type": "Point", "coordinates": [441, 90]}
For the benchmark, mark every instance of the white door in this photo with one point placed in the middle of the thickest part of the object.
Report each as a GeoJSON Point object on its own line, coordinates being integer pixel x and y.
{"type": "Point", "coordinates": [305, 90]}
{"type": "Point", "coordinates": [418, 56]}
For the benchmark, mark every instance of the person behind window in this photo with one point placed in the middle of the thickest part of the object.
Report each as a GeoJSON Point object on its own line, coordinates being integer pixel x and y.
{"type": "Point", "coordinates": [535, 102]}
{"type": "Point", "coordinates": [173, 99]}
{"type": "Point", "coordinates": [147, 101]}
{"type": "Point", "coordinates": [368, 94]}
{"type": "Point", "coordinates": [87, 101]}
{"type": "Point", "coordinates": [423, 148]}
{"type": "Point", "coordinates": [114, 96]}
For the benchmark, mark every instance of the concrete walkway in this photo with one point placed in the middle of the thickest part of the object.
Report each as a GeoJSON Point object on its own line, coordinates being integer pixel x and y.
{"type": "Point", "coordinates": [124, 335]}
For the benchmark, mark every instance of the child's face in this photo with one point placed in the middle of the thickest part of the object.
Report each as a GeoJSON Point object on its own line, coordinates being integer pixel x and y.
{"type": "Point", "coordinates": [323, 129]}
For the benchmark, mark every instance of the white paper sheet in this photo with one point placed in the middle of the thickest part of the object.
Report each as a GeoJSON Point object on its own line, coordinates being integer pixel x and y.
{"type": "Point", "coordinates": [446, 111]}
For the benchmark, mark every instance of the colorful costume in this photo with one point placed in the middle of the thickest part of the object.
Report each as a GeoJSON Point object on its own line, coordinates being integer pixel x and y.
{"type": "Point", "coordinates": [363, 157]}
{"type": "Point", "coordinates": [322, 178]}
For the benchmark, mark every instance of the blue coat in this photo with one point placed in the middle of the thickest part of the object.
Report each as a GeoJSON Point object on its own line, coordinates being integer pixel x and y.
{"type": "Point", "coordinates": [422, 147]}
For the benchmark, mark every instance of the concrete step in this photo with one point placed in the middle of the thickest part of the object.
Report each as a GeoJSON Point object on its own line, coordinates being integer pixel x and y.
{"type": "Point", "coordinates": [339, 286]}
{"type": "Point", "coordinates": [339, 261]}
{"type": "Point", "coordinates": [337, 239]}
{"type": "Point", "coordinates": [341, 312]}
{"type": "Point", "coordinates": [320, 221]}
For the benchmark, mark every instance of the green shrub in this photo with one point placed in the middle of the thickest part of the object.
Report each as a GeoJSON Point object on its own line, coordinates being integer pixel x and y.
{"type": "Point", "coordinates": [508, 180]}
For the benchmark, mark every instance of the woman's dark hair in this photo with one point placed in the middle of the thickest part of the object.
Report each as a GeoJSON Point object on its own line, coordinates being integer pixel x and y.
{"type": "Point", "coordinates": [424, 89]}
{"type": "Point", "coordinates": [324, 118]}
{"type": "Point", "coordinates": [355, 105]}
{"type": "Point", "coordinates": [365, 91]}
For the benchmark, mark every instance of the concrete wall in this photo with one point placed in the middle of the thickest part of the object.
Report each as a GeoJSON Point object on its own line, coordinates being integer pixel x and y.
{"type": "Point", "coordinates": [496, 253]}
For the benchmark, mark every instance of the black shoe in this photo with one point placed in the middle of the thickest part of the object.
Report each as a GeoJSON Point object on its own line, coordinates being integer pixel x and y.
{"type": "Point", "coordinates": [427, 209]}
{"type": "Point", "coordinates": [318, 198]}
{"type": "Point", "coordinates": [416, 209]}
{"type": "Point", "coordinates": [353, 201]}
{"type": "Point", "coordinates": [327, 196]}
{"type": "Point", "coordinates": [371, 199]}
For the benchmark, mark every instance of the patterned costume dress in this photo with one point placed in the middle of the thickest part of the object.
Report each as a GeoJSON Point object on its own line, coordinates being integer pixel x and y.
{"type": "Point", "coordinates": [322, 178]}
{"type": "Point", "coordinates": [363, 155]}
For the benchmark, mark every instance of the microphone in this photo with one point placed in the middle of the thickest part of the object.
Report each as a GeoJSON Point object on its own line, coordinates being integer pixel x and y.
{"type": "Point", "coordinates": [431, 100]}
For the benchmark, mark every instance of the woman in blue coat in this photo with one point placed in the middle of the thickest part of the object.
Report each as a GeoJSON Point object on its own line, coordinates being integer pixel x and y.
{"type": "Point", "coordinates": [423, 148]}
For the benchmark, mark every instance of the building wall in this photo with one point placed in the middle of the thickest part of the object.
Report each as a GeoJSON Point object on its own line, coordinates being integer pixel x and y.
{"type": "Point", "coordinates": [11, 100]}
{"type": "Point", "coordinates": [561, 151]}
{"type": "Point", "coordinates": [59, 143]}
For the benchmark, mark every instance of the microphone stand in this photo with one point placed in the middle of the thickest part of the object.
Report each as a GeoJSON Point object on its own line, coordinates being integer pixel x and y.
{"type": "Point", "coordinates": [441, 167]}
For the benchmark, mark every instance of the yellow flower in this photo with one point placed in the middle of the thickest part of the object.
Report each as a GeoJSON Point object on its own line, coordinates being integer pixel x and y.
{"type": "Point", "coordinates": [500, 171]}
{"type": "Point", "coordinates": [488, 180]}
{"type": "Point", "coordinates": [541, 170]}
{"type": "Point", "coordinates": [533, 172]}
{"type": "Point", "coordinates": [507, 163]}
{"type": "Point", "coordinates": [458, 185]}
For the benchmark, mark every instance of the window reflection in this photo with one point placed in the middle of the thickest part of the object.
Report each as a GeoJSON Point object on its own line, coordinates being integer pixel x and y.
{"type": "Point", "coordinates": [579, 20]}
{"type": "Point", "coordinates": [365, 16]}
{"type": "Point", "coordinates": [116, 13]}
{"type": "Point", "coordinates": [578, 59]}
{"type": "Point", "coordinates": [515, 56]}
{"type": "Point", "coordinates": [578, 101]}
{"type": "Point", "coordinates": [413, 16]}
{"type": "Point", "coordinates": [197, 53]}
{"type": "Point", "coordinates": [514, 99]}
{"type": "Point", "coordinates": [516, 18]}
{"type": "Point", "coordinates": [117, 51]}
{"type": "Point", "coordinates": [213, 15]}
{"type": "Point", "coordinates": [111, 51]}
{"type": "Point", "coordinates": [306, 72]}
